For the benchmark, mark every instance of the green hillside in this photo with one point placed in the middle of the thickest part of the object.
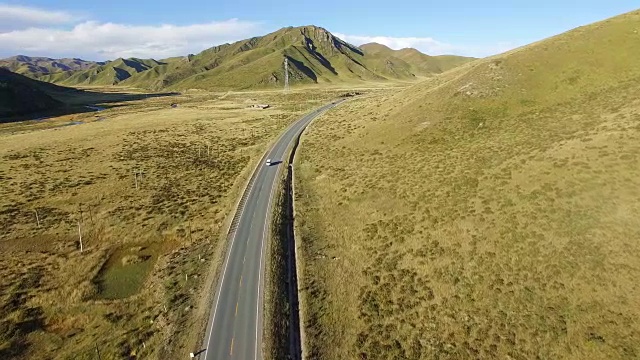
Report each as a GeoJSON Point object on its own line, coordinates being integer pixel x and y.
{"type": "Point", "coordinates": [584, 61]}
{"type": "Point", "coordinates": [111, 73]}
{"type": "Point", "coordinates": [314, 54]}
{"type": "Point", "coordinates": [490, 212]}
{"type": "Point", "coordinates": [415, 61]}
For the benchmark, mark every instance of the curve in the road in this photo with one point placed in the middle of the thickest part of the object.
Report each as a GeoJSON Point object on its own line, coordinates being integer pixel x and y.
{"type": "Point", "coordinates": [235, 326]}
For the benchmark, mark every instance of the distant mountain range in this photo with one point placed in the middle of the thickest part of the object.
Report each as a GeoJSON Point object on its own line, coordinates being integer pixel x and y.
{"type": "Point", "coordinates": [314, 55]}
{"type": "Point", "coordinates": [36, 66]}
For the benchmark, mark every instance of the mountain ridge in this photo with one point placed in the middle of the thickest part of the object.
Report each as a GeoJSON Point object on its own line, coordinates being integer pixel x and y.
{"type": "Point", "coordinates": [315, 56]}
{"type": "Point", "coordinates": [39, 65]}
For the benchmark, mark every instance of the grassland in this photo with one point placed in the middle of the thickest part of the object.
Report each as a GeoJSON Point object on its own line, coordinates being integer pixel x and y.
{"type": "Point", "coordinates": [490, 212]}
{"type": "Point", "coordinates": [149, 187]}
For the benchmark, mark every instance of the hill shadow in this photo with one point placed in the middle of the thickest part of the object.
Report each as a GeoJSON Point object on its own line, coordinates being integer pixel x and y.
{"type": "Point", "coordinates": [78, 101]}
{"type": "Point", "coordinates": [326, 63]}
{"type": "Point", "coordinates": [339, 44]}
{"type": "Point", "coordinates": [303, 68]}
{"type": "Point", "coordinates": [135, 65]}
{"type": "Point", "coordinates": [24, 98]}
{"type": "Point", "coordinates": [121, 74]}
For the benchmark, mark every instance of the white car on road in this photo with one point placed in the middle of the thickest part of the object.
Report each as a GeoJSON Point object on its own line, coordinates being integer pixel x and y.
{"type": "Point", "coordinates": [268, 162]}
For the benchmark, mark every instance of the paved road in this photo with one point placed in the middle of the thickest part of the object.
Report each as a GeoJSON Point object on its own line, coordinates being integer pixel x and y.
{"type": "Point", "coordinates": [235, 327]}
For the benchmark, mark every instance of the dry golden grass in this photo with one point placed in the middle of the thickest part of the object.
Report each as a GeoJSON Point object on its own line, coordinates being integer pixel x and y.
{"type": "Point", "coordinates": [489, 221]}
{"type": "Point", "coordinates": [194, 159]}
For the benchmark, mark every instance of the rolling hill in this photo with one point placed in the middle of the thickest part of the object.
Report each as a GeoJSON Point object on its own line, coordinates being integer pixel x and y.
{"type": "Point", "coordinates": [314, 54]}
{"type": "Point", "coordinates": [493, 211]}
{"type": "Point", "coordinates": [73, 72]}
{"type": "Point", "coordinates": [21, 95]}
{"type": "Point", "coordinates": [419, 63]}
{"type": "Point", "coordinates": [110, 73]}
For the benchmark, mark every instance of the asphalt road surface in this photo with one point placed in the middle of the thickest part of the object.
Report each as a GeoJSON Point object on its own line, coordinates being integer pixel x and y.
{"type": "Point", "coordinates": [235, 327]}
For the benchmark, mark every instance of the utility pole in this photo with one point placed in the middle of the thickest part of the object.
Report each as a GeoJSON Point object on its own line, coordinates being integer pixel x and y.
{"type": "Point", "coordinates": [286, 75]}
{"type": "Point", "coordinates": [80, 236]}
{"type": "Point", "coordinates": [137, 173]}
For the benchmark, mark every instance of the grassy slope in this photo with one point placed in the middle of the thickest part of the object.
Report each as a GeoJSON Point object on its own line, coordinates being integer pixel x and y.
{"type": "Point", "coordinates": [448, 62]}
{"type": "Point", "coordinates": [110, 73]}
{"type": "Point", "coordinates": [315, 56]}
{"type": "Point", "coordinates": [416, 62]}
{"type": "Point", "coordinates": [493, 211]}
{"type": "Point", "coordinates": [257, 62]}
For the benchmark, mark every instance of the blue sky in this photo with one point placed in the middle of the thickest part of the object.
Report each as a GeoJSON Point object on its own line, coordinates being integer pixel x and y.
{"type": "Point", "coordinates": [101, 30]}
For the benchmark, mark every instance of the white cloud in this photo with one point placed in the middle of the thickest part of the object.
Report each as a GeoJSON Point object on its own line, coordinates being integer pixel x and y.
{"type": "Point", "coordinates": [428, 45]}
{"type": "Point", "coordinates": [39, 32]}
{"type": "Point", "coordinates": [100, 41]}
{"type": "Point", "coordinates": [15, 17]}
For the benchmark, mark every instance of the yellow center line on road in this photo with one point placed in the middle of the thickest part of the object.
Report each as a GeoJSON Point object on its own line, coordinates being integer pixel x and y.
{"type": "Point", "coordinates": [231, 352]}
{"type": "Point", "coordinates": [240, 280]}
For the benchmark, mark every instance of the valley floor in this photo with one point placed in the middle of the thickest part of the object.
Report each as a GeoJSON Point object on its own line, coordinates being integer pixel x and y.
{"type": "Point", "coordinates": [149, 187]}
